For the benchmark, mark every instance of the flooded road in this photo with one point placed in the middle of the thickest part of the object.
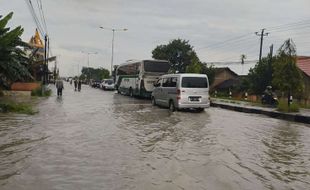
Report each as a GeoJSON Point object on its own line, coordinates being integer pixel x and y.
{"type": "Point", "coordinates": [101, 140]}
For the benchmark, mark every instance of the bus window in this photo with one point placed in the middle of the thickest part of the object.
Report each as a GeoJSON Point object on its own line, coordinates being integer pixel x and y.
{"type": "Point", "coordinates": [155, 66]}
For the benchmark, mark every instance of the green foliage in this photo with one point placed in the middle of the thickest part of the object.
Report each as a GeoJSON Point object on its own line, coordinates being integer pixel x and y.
{"type": "Point", "coordinates": [286, 75]}
{"type": "Point", "coordinates": [259, 77]}
{"type": "Point", "coordinates": [16, 108]}
{"type": "Point", "coordinates": [96, 74]}
{"type": "Point", "coordinates": [194, 67]}
{"type": "Point", "coordinates": [244, 85]}
{"type": "Point", "coordinates": [209, 71]}
{"type": "Point", "coordinates": [179, 53]}
{"type": "Point", "coordinates": [13, 61]}
{"type": "Point", "coordinates": [41, 93]}
{"type": "Point", "coordinates": [283, 107]}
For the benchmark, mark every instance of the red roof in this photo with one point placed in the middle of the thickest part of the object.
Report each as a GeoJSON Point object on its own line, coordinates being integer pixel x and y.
{"type": "Point", "coordinates": [303, 63]}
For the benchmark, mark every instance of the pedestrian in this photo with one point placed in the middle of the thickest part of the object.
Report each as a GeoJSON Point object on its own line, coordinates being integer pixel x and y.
{"type": "Point", "coordinates": [75, 84]}
{"type": "Point", "coordinates": [79, 85]}
{"type": "Point", "coordinates": [59, 86]}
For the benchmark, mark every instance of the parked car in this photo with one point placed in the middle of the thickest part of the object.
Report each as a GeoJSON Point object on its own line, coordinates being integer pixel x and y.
{"type": "Point", "coordinates": [95, 84]}
{"type": "Point", "coordinates": [181, 91]}
{"type": "Point", "coordinates": [108, 84]}
{"type": "Point", "coordinates": [102, 83]}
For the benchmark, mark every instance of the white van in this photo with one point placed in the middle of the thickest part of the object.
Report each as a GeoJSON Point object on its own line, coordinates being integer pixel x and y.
{"type": "Point", "coordinates": [180, 91]}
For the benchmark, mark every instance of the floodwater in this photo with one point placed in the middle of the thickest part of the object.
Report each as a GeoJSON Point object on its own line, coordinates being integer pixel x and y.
{"type": "Point", "coordinates": [95, 139]}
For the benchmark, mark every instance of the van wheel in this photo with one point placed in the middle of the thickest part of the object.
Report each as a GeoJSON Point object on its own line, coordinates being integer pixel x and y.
{"type": "Point", "coordinates": [130, 92]}
{"type": "Point", "coordinates": [171, 106]}
{"type": "Point", "coordinates": [200, 109]}
{"type": "Point", "coordinates": [153, 101]}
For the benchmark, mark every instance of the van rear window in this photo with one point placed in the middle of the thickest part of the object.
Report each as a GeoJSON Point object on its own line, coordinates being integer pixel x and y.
{"type": "Point", "coordinates": [194, 82]}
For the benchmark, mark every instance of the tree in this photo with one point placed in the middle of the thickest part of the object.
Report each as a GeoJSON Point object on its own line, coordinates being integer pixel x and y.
{"type": "Point", "coordinates": [13, 60]}
{"type": "Point", "coordinates": [242, 57]}
{"type": "Point", "coordinates": [209, 71]}
{"type": "Point", "coordinates": [178, 52]}
{"type": "Point", "coordinates": [96, 74]}
{"type": "Point", "coordinates": [194, 67]}
{"type": "Point", "coordinates": [286, 75]}
{"type": "Point", "coordinates": [258, 77]}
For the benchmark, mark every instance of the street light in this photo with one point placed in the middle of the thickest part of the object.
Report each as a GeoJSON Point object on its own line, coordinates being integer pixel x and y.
{"type": "Point", "coordinates": [113, 31]}
{"type": "Point", "coordinates": [89, 53]}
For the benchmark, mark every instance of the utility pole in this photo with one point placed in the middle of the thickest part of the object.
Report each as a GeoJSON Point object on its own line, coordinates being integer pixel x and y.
{"type": "Point", "coordinates": [113, 33]}
{"type": "Point", "coordinates": [270, 63]}
{"type": "Point", "coordinates": [47, 56]}
{"type": "Point", "coordinates": [262, 34]}
{"type": "Point", "coordinates": [45, 60]}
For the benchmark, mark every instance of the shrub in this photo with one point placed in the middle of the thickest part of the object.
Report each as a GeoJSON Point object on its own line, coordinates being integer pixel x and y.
{"type": "Point", "coordinates": [16, 108]}
{"type": "Point", "coordinates": [39, 92]}
{"type": "Point", "coordinates": [283, 107]}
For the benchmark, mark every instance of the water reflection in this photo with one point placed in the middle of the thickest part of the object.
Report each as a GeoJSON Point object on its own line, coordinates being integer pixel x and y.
{"type": "Point", "coordinates": [286, 157]}
{"type": "Point", "coordinates": [16, 145]}
{"type": "Point", "coordinates": [102, 140]}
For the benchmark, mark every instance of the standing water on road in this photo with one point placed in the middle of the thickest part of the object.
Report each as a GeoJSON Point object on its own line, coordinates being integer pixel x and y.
{"type": "Point", "coordinates": [101, 140]}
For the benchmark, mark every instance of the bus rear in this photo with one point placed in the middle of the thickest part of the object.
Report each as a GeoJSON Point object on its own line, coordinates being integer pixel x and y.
{"type": "Point", "coordinates": [151, 71]}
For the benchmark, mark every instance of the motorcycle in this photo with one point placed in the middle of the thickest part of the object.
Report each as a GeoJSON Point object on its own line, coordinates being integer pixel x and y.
{"type": "Point", "coordinates": [270, 99]}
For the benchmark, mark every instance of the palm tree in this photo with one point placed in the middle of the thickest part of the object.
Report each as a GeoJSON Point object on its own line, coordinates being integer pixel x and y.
{"type": "Point", "coordinates": [243, 57]}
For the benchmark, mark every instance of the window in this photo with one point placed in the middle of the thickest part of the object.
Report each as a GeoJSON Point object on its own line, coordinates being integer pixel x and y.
{"type": "Point", "coordinates": [157, 83]}
{"type": "Point", "coordinates": [130, 69]}
{"type": "Point", "coordinates": [165, 82]}
{"type": "Point", "coordinates": [170, 82]}
{"type": "Point", "coordinates": [194, 82]}
{"type": "Point", "coordinates": [155, 66]}
{"type": "Point", "coordinates": [173, 82]}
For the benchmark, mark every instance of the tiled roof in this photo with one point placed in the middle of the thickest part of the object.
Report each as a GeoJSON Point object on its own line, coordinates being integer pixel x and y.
{"type": "Point", "coordinates": [303, 63]}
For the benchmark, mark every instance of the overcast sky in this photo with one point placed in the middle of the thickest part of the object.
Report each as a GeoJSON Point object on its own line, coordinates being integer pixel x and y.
{"type": "Point", "coordinates": [73, 26]}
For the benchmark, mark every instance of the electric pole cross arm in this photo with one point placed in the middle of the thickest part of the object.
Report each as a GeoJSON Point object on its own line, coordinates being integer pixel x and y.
{"type": "Point", "coordinates": [262, 34]}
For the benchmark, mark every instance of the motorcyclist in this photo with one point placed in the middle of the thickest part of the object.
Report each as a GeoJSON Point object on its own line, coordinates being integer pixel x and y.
{"type": "Point", "coordinates": [269, 97]}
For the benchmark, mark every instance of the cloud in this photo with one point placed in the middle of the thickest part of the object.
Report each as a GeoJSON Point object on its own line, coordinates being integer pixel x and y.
{"type": "Point", "coordinates": [74, 26]}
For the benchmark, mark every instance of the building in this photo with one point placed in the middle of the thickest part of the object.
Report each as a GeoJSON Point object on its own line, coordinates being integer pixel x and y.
{"type": "Point", "coordinates": [36, 53]}
{"type": "Point", "coordinates": [303, 63]}
{"type": "Point", "coordinates": [225, 79]}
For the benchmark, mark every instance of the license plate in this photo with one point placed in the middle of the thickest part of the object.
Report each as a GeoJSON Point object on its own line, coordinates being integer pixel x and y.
{"type": "Point", "coordinates": [194, 99]}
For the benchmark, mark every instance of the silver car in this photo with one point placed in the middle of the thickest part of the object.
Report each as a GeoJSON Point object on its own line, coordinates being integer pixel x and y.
{"type": "Point", "coordinates": [181, 91]}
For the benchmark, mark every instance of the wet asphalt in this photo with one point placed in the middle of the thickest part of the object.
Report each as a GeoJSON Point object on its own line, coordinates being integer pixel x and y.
{"type": "Point", "coordinates": [97, 139]}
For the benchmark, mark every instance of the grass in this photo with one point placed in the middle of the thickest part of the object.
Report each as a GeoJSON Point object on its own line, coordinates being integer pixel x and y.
{"type": "Point", "coordinates": [22, 108]}
{"type": "Point", "coordinates": [40, 93]}
{"type": "Point", "coordinates": [238, 101]}
{"type": "Point", "coordinates": [283, 107]}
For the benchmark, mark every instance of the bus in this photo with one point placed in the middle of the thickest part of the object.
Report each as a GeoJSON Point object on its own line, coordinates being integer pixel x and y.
{"type": "Point", "coordinates": [137, 78]}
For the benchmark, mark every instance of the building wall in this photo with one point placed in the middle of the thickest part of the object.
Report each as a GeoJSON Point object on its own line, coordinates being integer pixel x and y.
{"type": "Point", "coordinates": [222, 76]}
{"type": "Point", "coordinates": [306, 93]}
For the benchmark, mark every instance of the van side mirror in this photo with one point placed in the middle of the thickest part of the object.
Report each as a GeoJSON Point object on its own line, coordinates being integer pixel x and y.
{"type": "Point", "coordinates": [156, 84]}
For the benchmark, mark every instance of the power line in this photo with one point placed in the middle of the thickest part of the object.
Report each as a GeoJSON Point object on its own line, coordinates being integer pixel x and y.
{"type": "Point", "coordinates": [226, 41]}
{"type": "Point", "coordinates": [289, 25]}
{"type": "Point", "coordinates": [230, 62]}
{"type": "Point", "coordinates": [41, 13]}
{"type": "Point", "coordinates": [35, 18]}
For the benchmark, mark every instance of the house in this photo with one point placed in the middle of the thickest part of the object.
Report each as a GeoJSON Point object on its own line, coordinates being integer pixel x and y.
{"type": "Point", "coordinates": [225, 79]}
{"type": "Point", "coordinates": [303, 63]}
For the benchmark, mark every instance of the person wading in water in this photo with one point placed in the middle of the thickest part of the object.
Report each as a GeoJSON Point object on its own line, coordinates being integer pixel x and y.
{"type": "Point", "coordinates": [59, 86]}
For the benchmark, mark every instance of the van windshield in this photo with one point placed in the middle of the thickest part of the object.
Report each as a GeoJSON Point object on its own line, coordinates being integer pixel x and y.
{"type": "Point", "coordinates": [157, 67]}
{"type": "Point", "coordinates": [194, 82]}
{"type": "Point", "coordinates": [109, 82]}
